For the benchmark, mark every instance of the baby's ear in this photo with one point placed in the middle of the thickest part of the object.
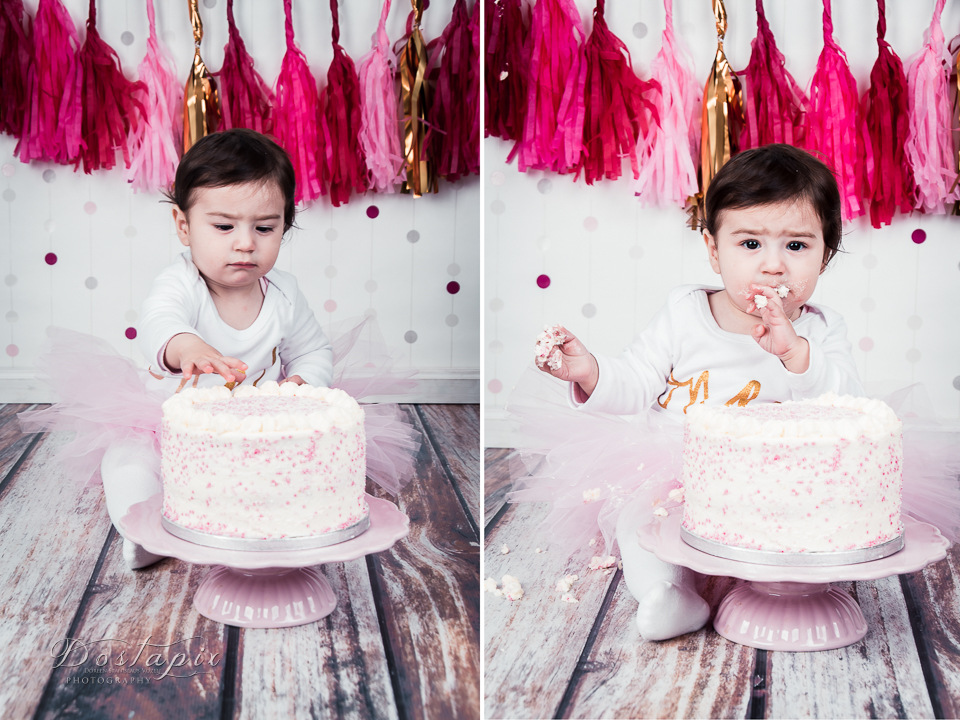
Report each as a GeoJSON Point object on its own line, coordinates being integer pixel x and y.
{"type": "Point", "coordinates": [711, 242]}
{"type": "Point", "coordinates": [180, 221]}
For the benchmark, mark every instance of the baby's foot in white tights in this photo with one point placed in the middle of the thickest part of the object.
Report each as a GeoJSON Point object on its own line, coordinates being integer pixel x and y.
{"type": "Point", "coordinates": [136, 556]}
{"type": "Point", "coordinates": [668, 610]}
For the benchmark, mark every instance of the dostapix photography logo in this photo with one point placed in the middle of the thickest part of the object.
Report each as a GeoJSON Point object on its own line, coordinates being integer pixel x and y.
{"type": "Point", "coordinates": [114, 661]}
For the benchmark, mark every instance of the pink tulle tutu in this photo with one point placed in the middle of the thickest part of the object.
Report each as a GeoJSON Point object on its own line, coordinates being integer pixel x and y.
{"type": "Point", "coordinates": [104, 398]}
{"type": "Point", "coordinates": [588, 465]}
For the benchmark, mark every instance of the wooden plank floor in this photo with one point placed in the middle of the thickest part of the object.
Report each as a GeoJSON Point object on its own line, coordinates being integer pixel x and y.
{"type": "Point", "coordinates": [548, 658]}
{"type": "Point", "coordinates": [403, 641]}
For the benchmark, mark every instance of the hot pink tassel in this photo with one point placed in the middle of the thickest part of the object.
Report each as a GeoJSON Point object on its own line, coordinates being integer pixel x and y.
{"type": "Point", "coordinates": [53, 69]}
{"type": "Point", "coordinates": [109, 102]}
{"type": "Point", "coordinates": [553, 126]}
{"type": "Point", "coordinates": [835, 131]}
{"type": "Point", "coordinates": [617, 105]}
{"type": "Point", "coordinates": [156, 140]}
{"type": "Point", "coordinates": [885, 113]}
{"type": "Point", "coordinates": [344, 169]}
{"type": "Point", "coordinates": [16, 44]}
{"type": "Point", "coordinates": [929, 146]}
{"type": "Point", "coordinates": [379, 134]}
{"type": "Point", "coordinates": [295, 116]}
{"type": "Point", "coordinates": [245, 99]}
{"type": "Point", "coordinates": [668, 174]}
{"type": "Point", "coordinates": [505, 81]}
{"type": "Point", "coordinates": [455, 113]}
{"type": "Point", "coordinates": [773, 101]}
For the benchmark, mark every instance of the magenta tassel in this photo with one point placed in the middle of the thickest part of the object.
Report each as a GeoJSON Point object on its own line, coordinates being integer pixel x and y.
{"type": "Point", "coordinates": [16, 45]}
{"type": "Point", "coordinates": [617, 108]}
{"type": "Point", "coordinates": [773, 101]}
{"type": "Point", "coordinates": [245, 99]}
{"type": "Point", "coordinates": [455, 142]}
{"type": "Point", "coordinates": [109, 107]}
{"type": "Point", "coordinates": [835, 131]}
{"type": "Point", "coordinates": [885, 113]}
{"type": "Point", "coordinates": [295, 116]}
{"type": "Point", "coordinates": [505, 82]}
{"type": "Point", "coordinates": [929, 146]}
{"type": "Point", "coordinates": [51, 84]}
{"type": "Point", "coordinates": [553, 126]}
{"type": "Point", "coordinates": [379, 127]}
{"type": "Point", "coordinates": [344, 170]}
{"type": "Point", "coordinates": [156, 140]}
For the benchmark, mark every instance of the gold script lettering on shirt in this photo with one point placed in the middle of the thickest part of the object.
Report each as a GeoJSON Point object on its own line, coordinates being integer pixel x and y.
{"type": "Point", "coordinates": [694, 389]}
{"type": "Point", "coordinates": [750, 392]}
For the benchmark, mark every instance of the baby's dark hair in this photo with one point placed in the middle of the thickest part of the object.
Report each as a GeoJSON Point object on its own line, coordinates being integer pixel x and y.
{"type": "Point", "coordinates": [775, 174]}
{"type": "Point", "coordinates": [234, 157]}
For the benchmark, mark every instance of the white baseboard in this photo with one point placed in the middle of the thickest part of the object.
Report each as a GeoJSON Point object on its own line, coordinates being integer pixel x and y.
{"type": "Point", "coordinates": [498, 431]}
{"type": "Point", "coordinates": [435, 385]}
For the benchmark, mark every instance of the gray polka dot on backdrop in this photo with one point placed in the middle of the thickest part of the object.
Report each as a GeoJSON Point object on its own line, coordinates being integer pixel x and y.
{"type": "Point", "coordinates": [10, 280]}
{"type": "Point", "coordinates": [496, 305]}
{"type": "Point", "coordinates": [130, 231]}
{"type": "Point", "coordinates": [49, 176]}
{"type": "Point", "coordinates": [497, 207]}
{"type": "Point", "coordinates": [370, 286]}
{"type": "Point", "coordinates": [131, 316]}
{"type": "Point", "coordinates": [410, 336]}
{"type": "Point", "coordinates": [91, 283]}
{"type": "Point", "coordinates": [544, 186]}
{"type": "Point", "coordinates": [50, 226]}
{"type": "Point", "coordinates": [453, 269]}
{"type": "Point", "coordinates": [12, 317]}
{"type": "Point", "coordinates": [589, 310]}
{"type": "Point", "coordinates": [331, 234]}
{"type": "Point", "coordinates": [868, 304]}
{"type": "Point", "coordinates": [640, 30]}
{"type": "Point", "coordinates": [126, 37]}
{"type": "Point", "coordinates": [9, 195]}
{"type": "Point", "coordinates": [413, 236]}
{"type": "Point", "coordinates": [330, 271]}
{"type": "Point", "coordinates": [452, 320]}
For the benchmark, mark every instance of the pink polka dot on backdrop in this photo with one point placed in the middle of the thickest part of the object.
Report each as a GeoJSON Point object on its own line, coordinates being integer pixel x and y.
{"type": "Point", "coordinates": [918, 236]}
{"type": "Point", "coordinates": [13, 350]}
{"type": "Point", "coordinates": [373, 211]}
{"type": "Point", "coordinates": [590, 224]}
{"type": "Point", "coordinates": [453, 287]}
{"type": "Point", "coordinates": [90, 208]}
{"type": "Point", "coordinates": [495, 386]}
{"type": "Point", "coordinates": [866, 344]}
{"type": "Point", "coordinates": [330, 305]}
{"type": "Point", "coordinates": [131, 333]}
{"type": "Point", "coordinates": [50, 258]}
{"type": "Point", "coordinates": [543, 281]}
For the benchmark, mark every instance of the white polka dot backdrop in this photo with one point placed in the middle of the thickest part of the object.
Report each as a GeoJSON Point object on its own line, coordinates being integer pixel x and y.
{"type": "Point", "coordinates": [82, 251]}
{"type": "Point", "coordinates": [593, 259]}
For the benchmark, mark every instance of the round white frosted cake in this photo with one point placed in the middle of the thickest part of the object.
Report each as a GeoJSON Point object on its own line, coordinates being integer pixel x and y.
{"type": "Point", "coordinates": [274, 462]}
{"type": "Point", "coordinates": [819, 475]}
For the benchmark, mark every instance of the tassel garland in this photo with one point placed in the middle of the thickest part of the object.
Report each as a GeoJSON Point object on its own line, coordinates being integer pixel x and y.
{"type": "Point", "coordinates": [668, 175]}
{"type": "Point", "coordinates": [617, 108]}
{"type": "Point", "coordinates": [201, 103]}
{"type": "Point", "coordinates": [246, 100]}
{"type": "Point", "coordinates": [156, 139]}
{"type": "Point", "coordinates": [415, 100]}
{"type": "Point", "coordinates": [890, 186]}
{"type": "Point", "coordinates": [339, 118]}
{"type": "Point", "coordinates": [722, 115]}
{"type": "Point", "coordinates": [505, 82]}
{"type": "Point", "coordinates": [773, 102]}
{"type": "Point", "coordinates": [929, 146]}
{"type": "Point", "coordinates": [455, 113]}
{"type": "Point", "coordinates": [15, 48]}
{"type": "Point", "coordinates": [295, 115]}
{"type": "Point", "coordinates": [835, 130]}
{"type": "Point", "coordinates": [52, 68]}
{"type": "Point", "coordinates": [378, 136]}
{"type": "Point", "coordinates": [110, 106]}
{"type": "Point", "coordinates": [553, 89]}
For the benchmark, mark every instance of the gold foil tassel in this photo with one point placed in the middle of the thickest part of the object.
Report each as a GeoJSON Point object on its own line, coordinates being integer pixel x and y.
{"type": "Point", "coordinates": [722, 117]}
{"type": "Point", "coordinates": [201, 104]}
{"type": "Point", "coordinates": [414, 99]}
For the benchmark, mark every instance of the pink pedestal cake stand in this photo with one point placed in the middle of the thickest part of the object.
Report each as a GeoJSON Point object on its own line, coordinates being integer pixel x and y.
{"type": "Point", "coordinates": [792, 608]}
{"type": "Point", "coordinates": [264, 589]}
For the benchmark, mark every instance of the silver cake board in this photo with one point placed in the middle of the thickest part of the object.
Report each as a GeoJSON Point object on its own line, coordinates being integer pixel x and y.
{"type": "Point", "coordinates": [785, 559]}
{"type": "Point", "coordinates": [267, 544]}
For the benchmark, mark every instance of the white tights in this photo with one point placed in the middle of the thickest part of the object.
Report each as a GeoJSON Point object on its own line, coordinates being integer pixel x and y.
{"type": "Point", "coordinates": [131, 473]}
{"type": "Point", "coordinates": [669, 603]}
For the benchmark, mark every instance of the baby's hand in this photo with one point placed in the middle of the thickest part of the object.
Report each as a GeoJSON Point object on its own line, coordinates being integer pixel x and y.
{"type": "Point", "coordinates": [294, 379]}
{"type": "Point", "coordinates": [776, 333]}
{"type": "Point", "coordinates": [193, 356]}
{"type": "Point", "coordinates": [576, 364]}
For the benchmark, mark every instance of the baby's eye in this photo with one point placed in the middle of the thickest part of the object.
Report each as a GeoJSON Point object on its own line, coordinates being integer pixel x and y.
{"type": "Point", "coordinates": [265, 229]}
{"type": "Point", "coordinates": [224, 228]}
{"type": "Point", "coordinates": [796, 245]}
{"type": "Point", "coordinates": [751, 244]}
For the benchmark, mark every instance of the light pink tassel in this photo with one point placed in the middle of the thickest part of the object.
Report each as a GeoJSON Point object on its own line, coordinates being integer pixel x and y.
{"type": "Point", "coordinates": [668, 175]}
{"type": "Point", "coordinates": [929, 147]}
{"type": "Point", "coordinates": [156, 141]}
{"type": "Point", "coordinates": [379, 128]}
{"type": "Point", "coordinates": [52, 84]}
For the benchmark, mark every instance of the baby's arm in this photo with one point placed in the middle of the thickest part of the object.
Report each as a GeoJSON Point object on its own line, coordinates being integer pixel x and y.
{"type": "Point", "coordinates": [776, 333]}
{"type": "Point", "coordinates": [306, 352]}
{"type": "Point", "coordinates": [832, 367]}
{"type": "Point", "coordinates": [187, 352]}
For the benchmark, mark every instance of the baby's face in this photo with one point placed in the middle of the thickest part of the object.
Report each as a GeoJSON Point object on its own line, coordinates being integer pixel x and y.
{"type": "Point", "coordinates": [769, 245]}
{"type": "Point", "coordinates": [233, 232]}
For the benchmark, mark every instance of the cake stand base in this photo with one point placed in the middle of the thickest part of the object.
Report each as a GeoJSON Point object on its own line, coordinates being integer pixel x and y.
{"type": "Point", "coordinates": [265, 598]}
{"type": "Point", "coordinates": [790, 616]}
